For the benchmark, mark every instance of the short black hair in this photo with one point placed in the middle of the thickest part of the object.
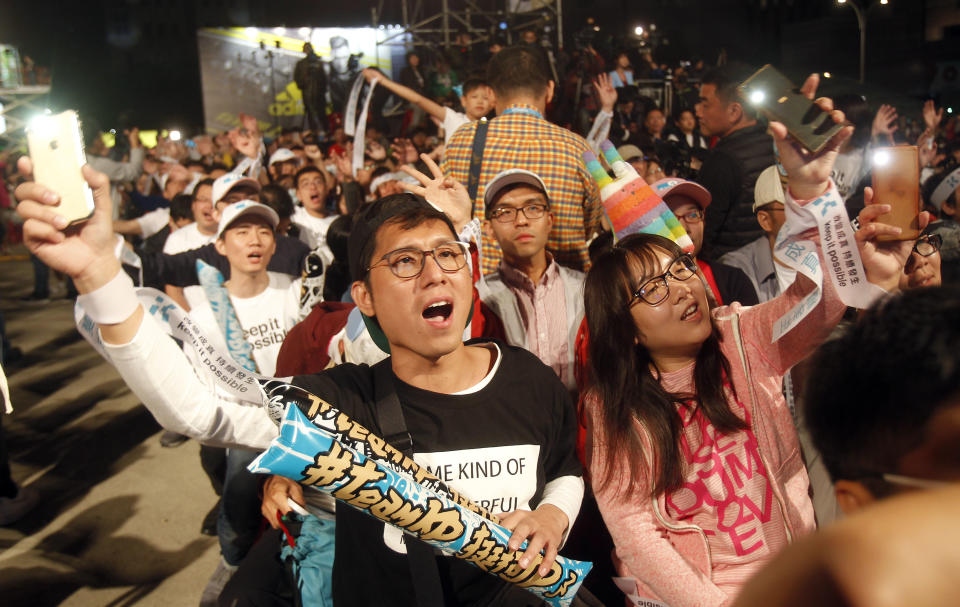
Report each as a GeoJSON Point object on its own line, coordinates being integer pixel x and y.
{"type": "Point", "coordinates": [406, 210]}
{"type": "Point", "coordinates": [205, 181]}
{"type": "Point", "coordinates": [726, 79]}
{"type": "Point", "coordinates": [518, 70]}
{"type": "Point", "coordinates": [180, 207]}
{"type": "Point", "coordinates": [310, 168]}
{"type": "Point", "coordinates": [872, 392]}
{"type": "Point", "coordinates": [471, 84]}
{"type": "Point", "coordinates": [278, 199]}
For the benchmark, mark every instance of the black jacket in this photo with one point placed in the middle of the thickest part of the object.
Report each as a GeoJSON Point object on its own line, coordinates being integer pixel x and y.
{"type": "Point", "coordinates": [729, 173]}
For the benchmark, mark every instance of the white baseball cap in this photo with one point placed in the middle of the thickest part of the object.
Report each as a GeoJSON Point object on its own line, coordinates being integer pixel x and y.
{"type": "Point", "coordinates": [281, 155]}
{"type": "Point", "coordinates": [246, 207]}
{"type": "Point", "coordinates": [396, 176]}
{"type": "Point", "coordinates": [511, 177]}
{"type": "Point", "coordinates": [225, 183]}
{"type": "Point", "coordinates": [769, 188]}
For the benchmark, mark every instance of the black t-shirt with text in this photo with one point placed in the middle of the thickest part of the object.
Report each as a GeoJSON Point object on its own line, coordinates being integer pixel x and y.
{"type": "Point", "coordinates": [499, 446]}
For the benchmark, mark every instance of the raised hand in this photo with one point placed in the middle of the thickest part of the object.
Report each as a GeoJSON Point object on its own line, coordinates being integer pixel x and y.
{"type": "Point", "coordinates": [885, 122]}
{"type": "Point", "coordinates": [85, 252]}
{"type": "Point", "coordinates": [808, 173]}
{"type": "Point", "coordinates": [344, 166]}
{"type": "Point", "coordinates": [630, 203]}
{"type": "Point", "coordinates": [404, 151]}
{"type": "Point", "coordinates": [133, 135]}
{"type": "Point", "coordinates": [445, 193]}
{"type": "Point", "coordinates": [931, 115]}
{"type": "Point", "coordinates": [927, 148]}
{"type": "Point", "coordinates": [250, 123]}
{"type": "Point", "coordinates": [376, 150]}
{"type": "Point", "coordinates": [883, 261]}
{"type": "Point", "coordinates": [371, 74]}
{"type": "Point", "coordinates": [606, 92]}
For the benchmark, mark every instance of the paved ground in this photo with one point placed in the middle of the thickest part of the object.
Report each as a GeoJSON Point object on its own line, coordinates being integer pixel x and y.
{"type": "Point", "coordinates": [119, 519]}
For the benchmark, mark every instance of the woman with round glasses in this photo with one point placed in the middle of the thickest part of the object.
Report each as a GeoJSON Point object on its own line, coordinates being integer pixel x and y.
{"type": "Point", "coordinates": [692, 450]}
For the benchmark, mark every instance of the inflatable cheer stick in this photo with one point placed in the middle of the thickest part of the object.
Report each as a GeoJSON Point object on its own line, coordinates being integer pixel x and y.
{"type": "Point", "coordinates": [314, 458]}
{"type": "Point", "coordinates": [630, 203]}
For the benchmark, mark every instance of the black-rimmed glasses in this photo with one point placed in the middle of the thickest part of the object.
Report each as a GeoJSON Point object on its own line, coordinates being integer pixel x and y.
{"type": "Point", "coordinates": [928, 244]}
{"type": "Point", "coordinates": [655, 290]}
{"type": "Point", "coordinates": [409, 263]}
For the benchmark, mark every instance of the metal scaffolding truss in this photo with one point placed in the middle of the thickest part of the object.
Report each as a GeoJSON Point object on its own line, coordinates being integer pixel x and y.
{"type": "Point", "coordinates": [19, 104]}
{"type": "Point", "coordinates": [479, 18]}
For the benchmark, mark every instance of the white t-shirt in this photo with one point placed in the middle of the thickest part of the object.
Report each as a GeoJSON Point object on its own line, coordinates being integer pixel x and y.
{"type": "Point", "coordinates": [847, 171]}
{"type": "Point", "coordinates": [313, 230]}
{"type": "Point", "coordinates": [153, 222]}
{"type": "Point", "coordinates": [266, 318]}
{"type": "Point", "coordinates": [186, 238]}
{"type": "Point", "coordinates": [451, 122]}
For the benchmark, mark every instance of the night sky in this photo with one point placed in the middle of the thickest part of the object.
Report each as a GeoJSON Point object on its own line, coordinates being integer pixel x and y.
{"type": "Point", "coordinates": [135, 61]}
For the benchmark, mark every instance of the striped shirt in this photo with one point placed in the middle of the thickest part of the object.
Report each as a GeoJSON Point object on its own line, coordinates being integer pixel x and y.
{"type": "Point", "coordinates": [543, 311]}
{"type": "Point", "coordinates": [521, 139]}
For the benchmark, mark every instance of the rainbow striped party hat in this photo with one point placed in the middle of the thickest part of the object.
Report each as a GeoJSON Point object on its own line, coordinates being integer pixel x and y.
{"type": "Point", "coordinates": [630, 203]}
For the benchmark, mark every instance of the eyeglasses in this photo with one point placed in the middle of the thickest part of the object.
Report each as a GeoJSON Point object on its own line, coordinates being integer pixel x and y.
{"type": "Point", "coordinates": [509, 214]}
{"type": "Point", "coordinates": [695, 216]}
{"type": "Point", "coordinates": [771, 207]}
{"type": "Point", "coordinates": [409, 263]}
{"type": "Point", "coordinates": [313, 182]}
{"type": "Point", "coordinates": [928, 244]}
{"type": "Point", "coordinates": [656, 289]}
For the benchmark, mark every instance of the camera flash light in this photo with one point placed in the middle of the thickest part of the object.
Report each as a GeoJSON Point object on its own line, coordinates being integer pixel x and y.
{"type": "Point", "coordinates": [881, 158]}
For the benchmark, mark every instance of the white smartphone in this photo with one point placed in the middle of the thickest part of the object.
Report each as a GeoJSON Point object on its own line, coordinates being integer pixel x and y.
{"type": "Point", "coordinates": [56, 149]}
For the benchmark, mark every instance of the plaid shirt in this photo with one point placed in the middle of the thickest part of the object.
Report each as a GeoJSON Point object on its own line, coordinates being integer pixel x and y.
{"type": "Point", "coordinates": [522, 139]}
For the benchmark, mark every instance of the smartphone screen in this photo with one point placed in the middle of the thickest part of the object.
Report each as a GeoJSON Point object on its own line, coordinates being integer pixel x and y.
{"type": "Point", "coordinates": [772, 93]}
{"type": "Point", "coordinates": [56, 149]}
{"type": "Point", "coordinates": [896, 181]}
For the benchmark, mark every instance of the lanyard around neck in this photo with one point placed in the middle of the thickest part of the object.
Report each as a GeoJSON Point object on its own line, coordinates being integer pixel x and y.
{"type": "Point", "coordinates": [519, 109]}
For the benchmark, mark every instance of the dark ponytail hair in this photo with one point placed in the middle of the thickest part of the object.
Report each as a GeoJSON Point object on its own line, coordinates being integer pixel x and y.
{"type": "Point", "coordinates": [625, 378]}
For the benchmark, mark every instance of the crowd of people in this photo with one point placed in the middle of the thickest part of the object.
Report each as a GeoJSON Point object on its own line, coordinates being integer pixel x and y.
{"type": "Point", "coordinates": [686, 412]}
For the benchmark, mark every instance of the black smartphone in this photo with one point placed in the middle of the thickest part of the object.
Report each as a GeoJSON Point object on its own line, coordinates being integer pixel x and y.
{"type": "Point", "coordinates": [778, 99]}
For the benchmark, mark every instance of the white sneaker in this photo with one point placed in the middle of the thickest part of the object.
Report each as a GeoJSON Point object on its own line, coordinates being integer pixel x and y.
{"type": "Point", "coordinates": [217, 581]}
{"type": "Point", "coordinates": [12, 509]}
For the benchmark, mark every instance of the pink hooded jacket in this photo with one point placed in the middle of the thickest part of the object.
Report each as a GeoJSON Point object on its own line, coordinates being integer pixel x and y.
{"type": "Point", "coordinates": [670, 560]}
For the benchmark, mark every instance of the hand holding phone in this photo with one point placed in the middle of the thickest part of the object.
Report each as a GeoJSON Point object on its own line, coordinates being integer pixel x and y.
{"type": "Point", "coordinates": [896, 181]}
{"type": "Point", "coordinates": [56, 149]}
{"type": "Point", "coordinates": [772, 93]}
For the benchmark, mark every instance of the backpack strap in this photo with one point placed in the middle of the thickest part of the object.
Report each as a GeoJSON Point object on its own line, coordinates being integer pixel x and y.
{"type": "Point", "coordinates": [476, 158]}
{"type": "Point", "coordinates": [422, 558]}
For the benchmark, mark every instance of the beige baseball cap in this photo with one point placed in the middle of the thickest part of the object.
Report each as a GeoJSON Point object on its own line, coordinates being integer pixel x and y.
{"type": "Point", "coordinates": [769, 188]}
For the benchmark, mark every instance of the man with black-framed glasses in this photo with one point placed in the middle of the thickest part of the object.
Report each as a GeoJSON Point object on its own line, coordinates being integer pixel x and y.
{"type": "Point", "coordinates": [539, 301]}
